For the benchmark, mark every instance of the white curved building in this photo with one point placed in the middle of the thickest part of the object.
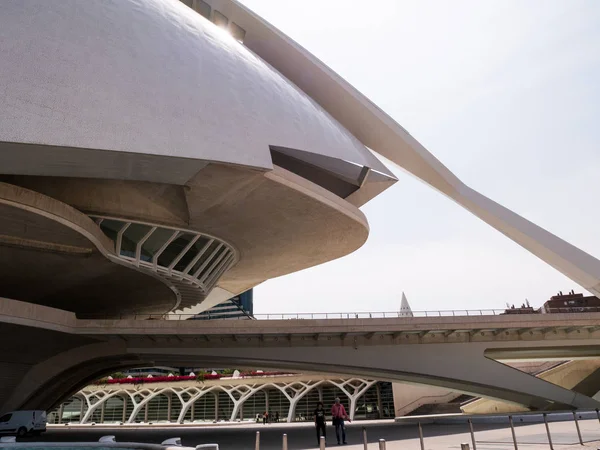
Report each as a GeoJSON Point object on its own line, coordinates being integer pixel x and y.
{"type": "Point", "coordinates": [176, 152]}
{"type": "Point", "coordinates": [147, 124]}
{"type": "Point", "coordinates": [157, 155]}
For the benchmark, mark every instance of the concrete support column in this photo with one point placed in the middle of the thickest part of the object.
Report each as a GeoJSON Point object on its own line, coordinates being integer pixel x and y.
{"type": "Point", "coordinates": [61, 410]}
{"type": "Point", "coordinates": [242, 412]}
{"type": "Point", "coordinates": [266, 400]}
{"type": "Point", "coordinates": [124, 418]}
{"type": "Point", "coordinates": [102, 409]}
{"type": "Point", "coordinates": [146, 413]}
{"type": "Point", "coordinates": [353, 399]}
{"type": "Point", "coordinates": [292, 411]}
{"type": "Point", "coordinates": [169, 406]}
{"type": "Point", "coordinates": [81, 411]}
{"type": "Point", "coordinates": [379, 402]}
{"type": "Point", "coordinates": [216, 406]}
{"type": "Point", "coordinates": [192, 413]}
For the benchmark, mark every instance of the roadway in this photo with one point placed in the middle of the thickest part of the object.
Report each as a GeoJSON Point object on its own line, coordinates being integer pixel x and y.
{"type": "Point", "coordinates": [301, 436]}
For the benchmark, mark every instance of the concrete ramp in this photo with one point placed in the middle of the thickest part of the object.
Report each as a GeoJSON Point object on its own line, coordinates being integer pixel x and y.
{"type": "Point", "coordinates": [582, 376]}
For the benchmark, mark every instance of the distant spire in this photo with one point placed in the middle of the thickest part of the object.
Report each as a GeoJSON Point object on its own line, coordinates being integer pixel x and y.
{"type": "Point", "coordinates": [405, 310]}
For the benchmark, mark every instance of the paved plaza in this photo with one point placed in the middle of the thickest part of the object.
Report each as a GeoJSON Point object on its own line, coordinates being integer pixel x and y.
{"type": "Point", "coordinates": [397, 436]}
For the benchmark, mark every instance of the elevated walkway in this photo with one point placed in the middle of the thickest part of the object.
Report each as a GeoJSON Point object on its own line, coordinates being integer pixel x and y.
{"type": "Point", "coordinates": [447, 352]}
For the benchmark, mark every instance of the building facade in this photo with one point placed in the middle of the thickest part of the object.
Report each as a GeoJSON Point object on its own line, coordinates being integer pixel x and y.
{"type": "Point", "coordinates": [288, 397]}
{"type": "Point", "coordinates": [239, 307]}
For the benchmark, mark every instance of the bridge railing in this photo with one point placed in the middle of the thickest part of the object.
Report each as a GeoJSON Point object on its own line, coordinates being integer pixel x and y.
{"type": "Point", "coordinates": [379, 314]}
{"type": "Point", "coordinates": [340, 315]}
{"type": "Point", "coordinates": [300, 316]}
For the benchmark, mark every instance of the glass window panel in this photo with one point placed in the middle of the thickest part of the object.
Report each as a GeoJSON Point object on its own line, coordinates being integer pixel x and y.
{"type": "Point", "coordinates": [213, 266]}
{"type": "Point", "coordinates": [155, 242]}
{"type": "Point", "coordinates": [113, 411]}
{"type": "Point", "coordinates": [174, 249]}
{"type": "Point", "coordinates": [237, 32]}
{"type": "Point", "coordinates": [278, 403]}
{"type": "Point", "coordinates": [132, 235]}
{"type": "Point", "coordinates": [306, 405]}
{"type": "Point", "coordinates": [73, 409]}
{"type": "Point", "coordinates": [204, 408]}
{"type": "Point", "coordinates": [255, 406]}
{"type": "Point", "coordinates": [191, 254]}
{"type": "Point", "coordinates": [225, 406]}
{"type": "Point", "coordinates": [111, 228]}
{"type": "Point", "coordinates": [204, 257]}
{"type": "Point", "coordinates": [203, 8]}
{"type": "Point", "coordinates": [219, 19]}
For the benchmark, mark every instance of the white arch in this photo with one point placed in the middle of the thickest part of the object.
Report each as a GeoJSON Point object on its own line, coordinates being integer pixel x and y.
{"type": "Point", "coordinates": [358, 391]}
{"type": "Point", "coordinates": [139, 405]}
{"type": "Point", "coordinates": [293, 400]}
{"type": "Point", "coordinates": [101, 400]}
{"type": "Point", "coordinates": [187, 405]}
{"type": "Point", "coordinates": [299, 389]}
{"type": "Point", "coordinates": [299, 394]}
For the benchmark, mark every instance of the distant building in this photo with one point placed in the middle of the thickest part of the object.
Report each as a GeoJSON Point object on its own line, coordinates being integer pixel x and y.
{"type": "Point", "coordinates": [571, 303]}
{"type": "Point", "coordinates": [405, 310]}
{"type": "Point", "coordinates": [560, 303]}
{"type": "Point", "coordinates": [238, 307]}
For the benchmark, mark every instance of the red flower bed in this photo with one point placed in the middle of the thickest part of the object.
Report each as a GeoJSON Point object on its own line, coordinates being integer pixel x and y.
{"type": "Point", "coordinates": [208, 376]}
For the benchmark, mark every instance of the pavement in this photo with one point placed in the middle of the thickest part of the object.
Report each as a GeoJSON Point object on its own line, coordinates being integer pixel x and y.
{"type": "Point", "coordinates": [301, 436]}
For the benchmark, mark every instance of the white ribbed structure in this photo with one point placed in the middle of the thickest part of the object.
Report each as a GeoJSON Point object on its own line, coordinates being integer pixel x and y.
{"type": "Point", "coordinates": [182, 396]}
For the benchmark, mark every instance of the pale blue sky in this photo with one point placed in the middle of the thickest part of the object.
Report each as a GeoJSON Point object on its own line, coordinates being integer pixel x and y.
{"type": "Point", "coordinates": [504, 93]}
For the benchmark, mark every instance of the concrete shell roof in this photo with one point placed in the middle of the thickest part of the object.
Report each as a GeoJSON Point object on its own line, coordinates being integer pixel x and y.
{"type": "Point", "coordinates": [152, 77]}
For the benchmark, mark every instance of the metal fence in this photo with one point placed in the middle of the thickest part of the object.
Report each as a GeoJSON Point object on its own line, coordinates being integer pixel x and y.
{"type": "Point", "coordinates": [345, 315]}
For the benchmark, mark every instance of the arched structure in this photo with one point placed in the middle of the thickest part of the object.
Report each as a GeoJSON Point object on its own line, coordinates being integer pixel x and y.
{"type": "Point", "coordinates": [182, 397]}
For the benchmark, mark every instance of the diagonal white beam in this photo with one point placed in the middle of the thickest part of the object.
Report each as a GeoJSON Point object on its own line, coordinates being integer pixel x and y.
{"type": "Point", "coordinates": [379, 132]}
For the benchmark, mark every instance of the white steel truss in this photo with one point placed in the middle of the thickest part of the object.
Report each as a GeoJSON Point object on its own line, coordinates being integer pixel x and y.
{"type": "Point", "coordinates": [95, 398]}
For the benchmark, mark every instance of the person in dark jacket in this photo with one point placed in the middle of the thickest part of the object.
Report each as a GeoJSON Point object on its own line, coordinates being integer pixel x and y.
{"type": "Point", "coordinates": [319, 414]}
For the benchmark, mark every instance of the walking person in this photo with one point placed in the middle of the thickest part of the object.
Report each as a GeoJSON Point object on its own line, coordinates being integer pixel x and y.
{"type": "Point", "coordinates": [319, 414]}
{"type": "Point", "coordinates": [338, 414]}
{"type": "Point", "coordinates": [265, 417]}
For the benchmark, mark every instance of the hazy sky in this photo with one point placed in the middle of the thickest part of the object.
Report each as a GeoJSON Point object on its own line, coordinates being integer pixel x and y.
{"type": "Point", "coordinates": [507, 95]}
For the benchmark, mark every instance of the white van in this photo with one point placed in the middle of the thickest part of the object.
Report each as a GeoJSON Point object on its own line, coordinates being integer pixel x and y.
{"type": "Point", "coordinates": [23, 422]}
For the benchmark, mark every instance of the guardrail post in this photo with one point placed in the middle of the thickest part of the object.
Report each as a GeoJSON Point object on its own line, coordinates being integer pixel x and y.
{"type": "Point", "coordinates": [548, 431]}
{"type": "Point", "coordinates": [598, 414]}
{"type": "Point", "coordinates": [421, 437]}
{"type": "Point", "coordinates": [381, 444]}
{"type": "Point", "coordinates": [512, 430]}
{"type": "Point", "coordinates": [257, 444]}
{"type": "Point", "coordinates": [284, 443]}
{"type": "Point", "coordinates": [364, 430]}
{"type": "Point", "coordinates": [577, 426]}
{"type": "Point", "coordinates": [322, 443]}
{"type": "Point", "coordinates": [472, 434]}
